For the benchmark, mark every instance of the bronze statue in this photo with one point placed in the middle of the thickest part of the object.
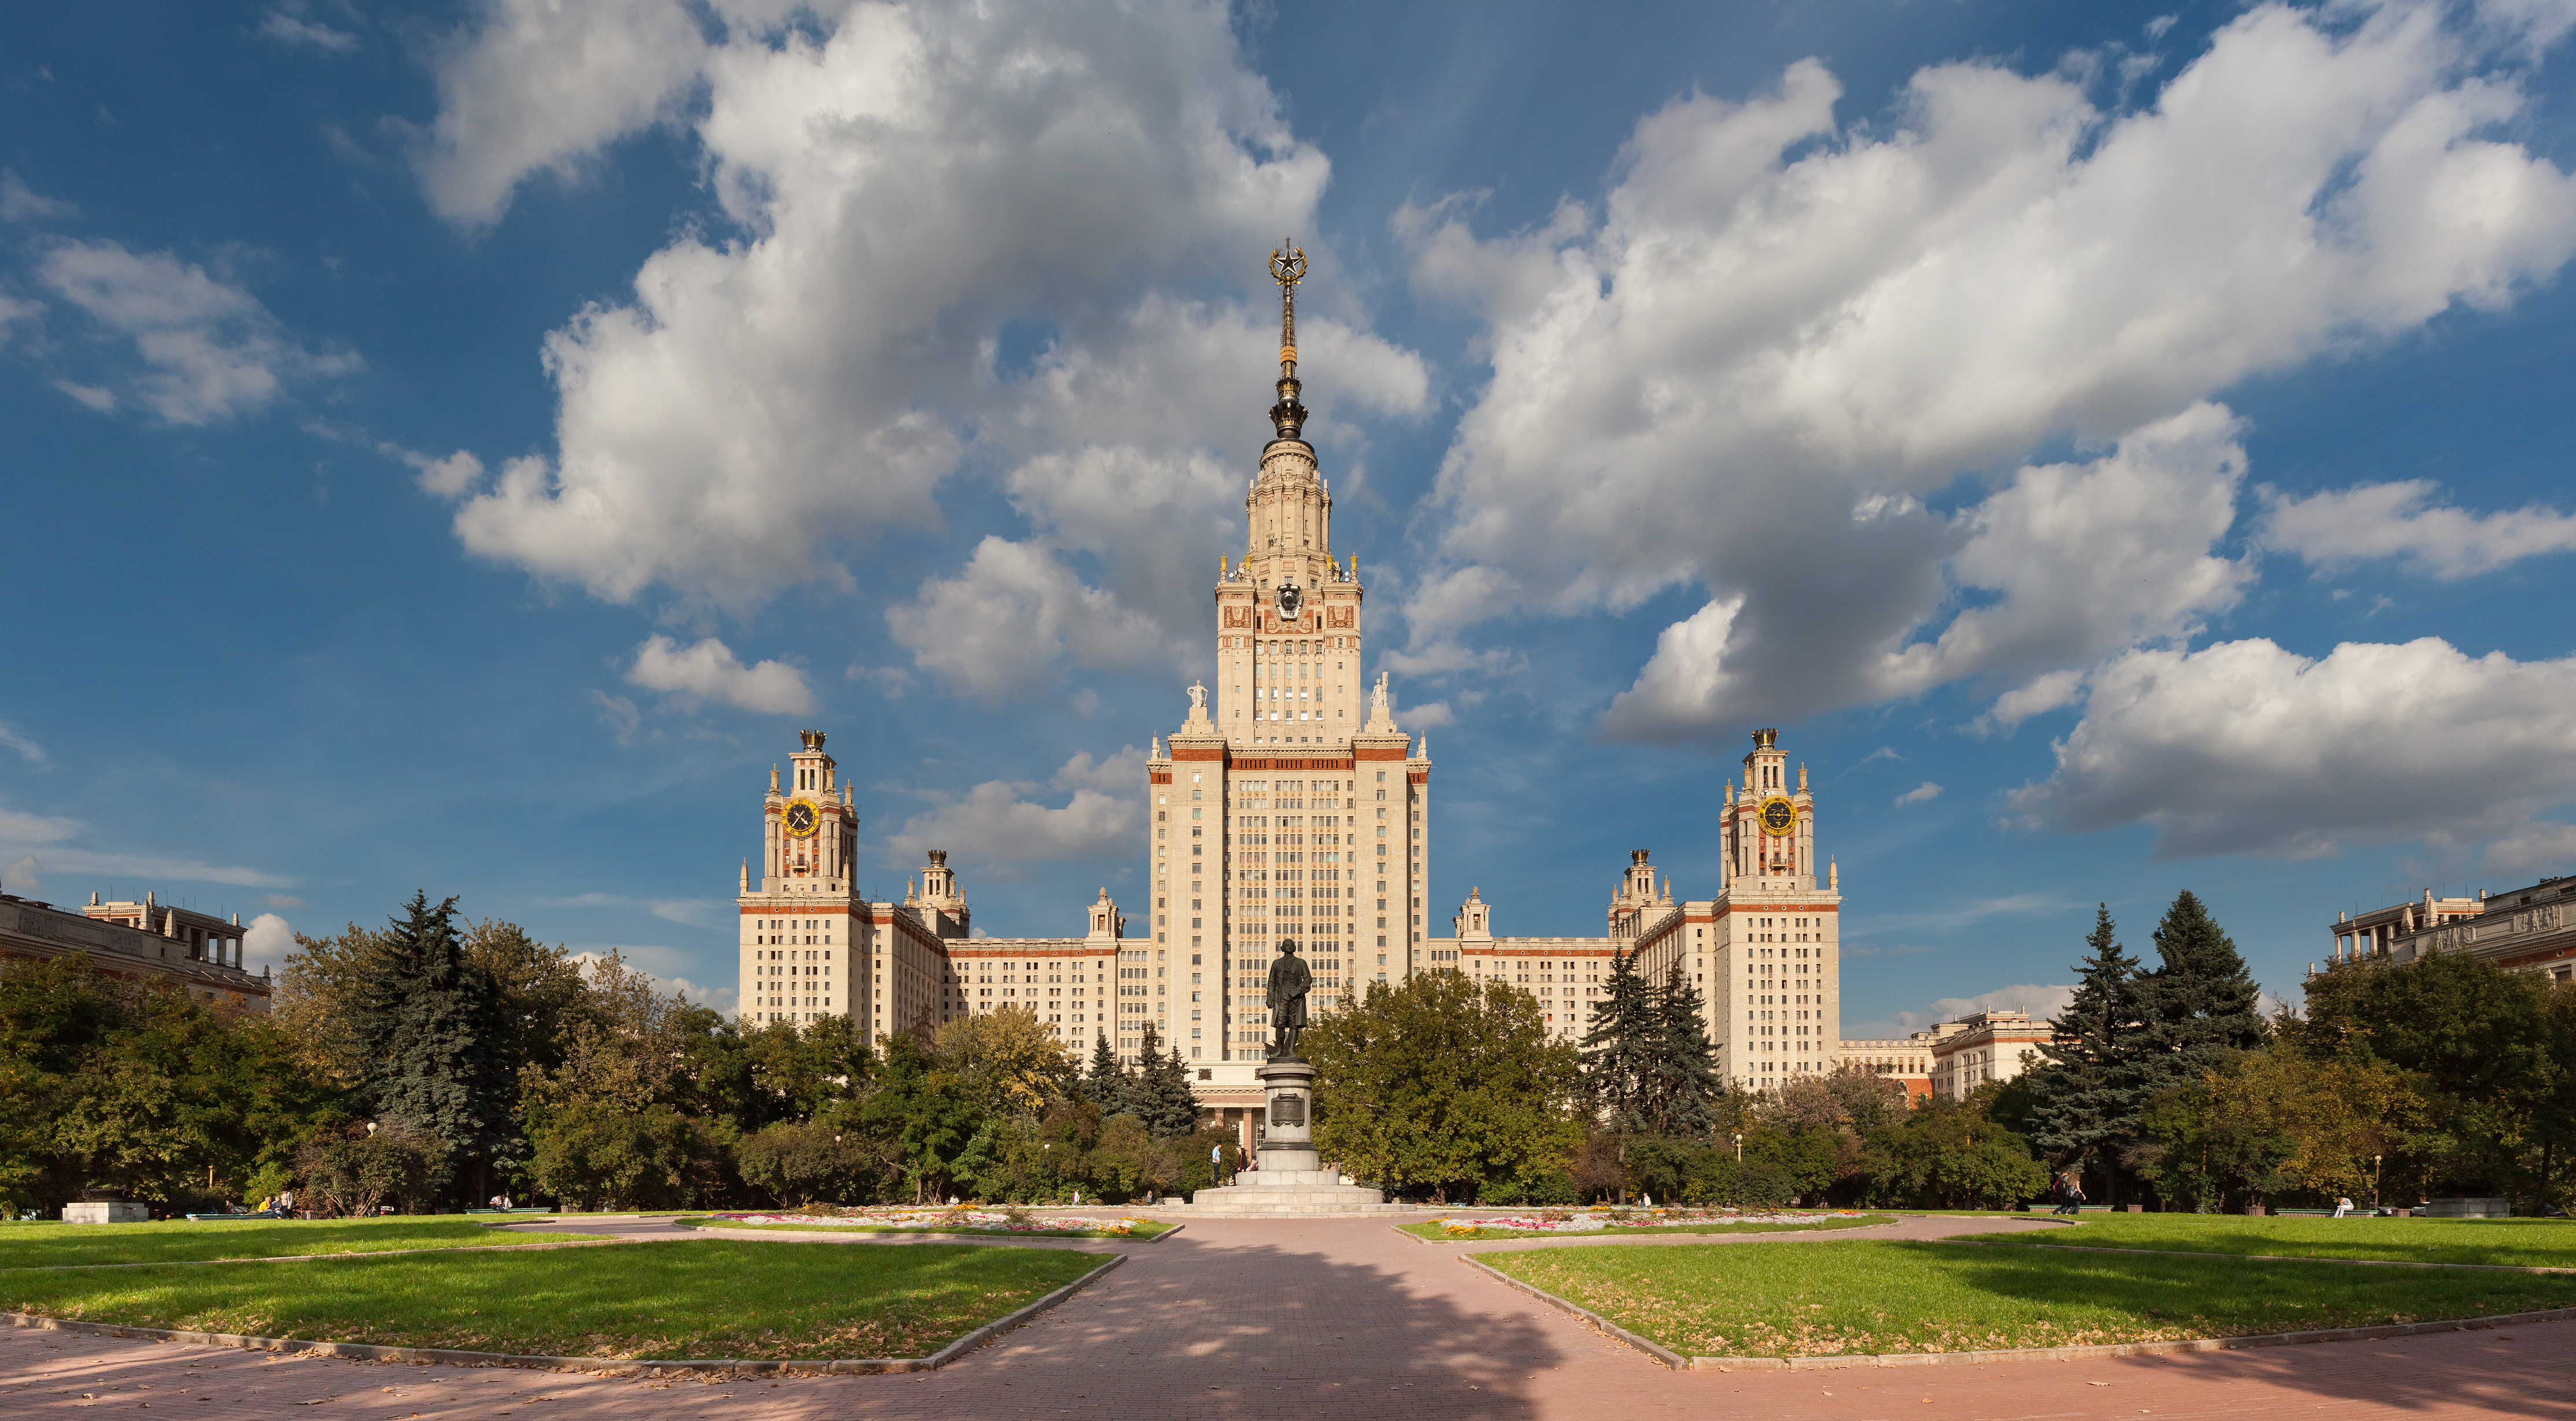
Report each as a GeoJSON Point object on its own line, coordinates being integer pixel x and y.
{"type": "Point", "coordinates": [1289, 980]}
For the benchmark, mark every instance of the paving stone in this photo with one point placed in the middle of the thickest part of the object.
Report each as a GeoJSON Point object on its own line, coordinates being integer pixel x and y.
{"type": "Point", "coordinates": [1327, 1319]}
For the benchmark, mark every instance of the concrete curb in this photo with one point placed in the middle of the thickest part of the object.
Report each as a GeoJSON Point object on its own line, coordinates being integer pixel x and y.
{"type": "Point", "coordinates": [1849, 1361]}
{"type": "Point", "coordinates": [2258, 1257]}
{"type": "Point", "coordinates": [917, 1236]}
{"type": "Point", "coordinates": [595, 1366]}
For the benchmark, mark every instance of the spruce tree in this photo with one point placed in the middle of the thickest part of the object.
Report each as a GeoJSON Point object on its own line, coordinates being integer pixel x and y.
{"type": "Point", "coordinates": [1682, 1096]}
{"type": "Point", "coordinates": [1619, 1057]}
{"type": "Point", "coordinates": [1163, 1098]}
{"type": "Point", "coordinates": [427, 1036]}
{"type": "Point", "coordinates": [1108, 1086]}
{"type": "Point", "coordinates": [2201, 1006]}
{"type": "Point", "coordinates": [2086, 1103]}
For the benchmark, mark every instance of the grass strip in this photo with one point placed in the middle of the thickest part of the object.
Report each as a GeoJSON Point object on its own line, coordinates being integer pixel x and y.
{"type": "Point", "coordinates": [1436, 1234]}
{"type": "Point", "coordinates": [696, 1298]}
{"type": "Point", "coordinates": [2520, 1243]}
{"type": "Point", "coordinates": [179, 1241]}
{"type": "Point", "coordinates": [1149, 1228]}
{"type": "Point", "coordinates": [1826, 1299]}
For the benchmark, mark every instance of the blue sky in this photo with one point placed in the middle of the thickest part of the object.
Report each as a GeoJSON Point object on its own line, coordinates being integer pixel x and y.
{"type": "Point", "coordinates": [455, 447]}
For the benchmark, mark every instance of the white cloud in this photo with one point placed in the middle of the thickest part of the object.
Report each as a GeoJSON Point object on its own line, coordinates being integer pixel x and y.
{"type": "Point", "coordinates": [910, 186]}
{"type": "Point", "coordinates": [453, 476]}
{"type": "Point", "coordinates": [2399, 521]}
{"type": "Point", "coordinates": [2009, 905]}
{"type": "Point", "coordinates": [209, 351]}
{"type": "Point", "coordinates": [289, 30]}
{"type": "Point", "coordinates": [710, 671]}
{"type": "Point", "coordinates": [1002, 627]}
{"type": "Point", "coordinates": [20, 827]}
{"type": "Point", "coordinates": [284, 900]}
{"type": "Point", "coordinates": [2037, 1001]}
{"type": "Point", "coordinates": [18, 203]}
{"type": "Point", "coordinates": [266, 941]}
{"type": "Point", "coordinates": [620, 714]}
{"type": "Point", "coordinates": [25, 878]}
{"type": "Point", "coordinates": [997, 824]}
{"type": "Point", "coordinates": [696, 912]}
{"type": "Point", "coordinates": [1779, 335]}
{"type": "Point", "coordinates": [1923, 793]}
{"type": "Point", "coordinates": [28, 750]}
{"type": "Point", "coordinates": [2246, 747]}
{"type": "Point", "coordinates": [1430, 715]}
{"type": "Point", "coordinates": [537, 85]}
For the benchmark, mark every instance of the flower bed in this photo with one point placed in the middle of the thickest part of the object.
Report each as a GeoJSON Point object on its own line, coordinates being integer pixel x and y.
{"type": "Point", "coordinates": [1621, 1220]}
{"type": "Point", "coordinates": [945, 1221]}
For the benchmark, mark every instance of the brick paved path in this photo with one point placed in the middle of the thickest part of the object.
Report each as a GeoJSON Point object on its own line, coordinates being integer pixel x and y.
{"type": "Point", "coordinates": [1324, 1320]}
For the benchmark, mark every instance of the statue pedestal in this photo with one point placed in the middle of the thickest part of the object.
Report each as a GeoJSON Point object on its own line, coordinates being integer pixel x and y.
{"type": "Point", "coordinates": [1288, 1135]}
{"type": "Point", "coordinates": [1292, 1180]}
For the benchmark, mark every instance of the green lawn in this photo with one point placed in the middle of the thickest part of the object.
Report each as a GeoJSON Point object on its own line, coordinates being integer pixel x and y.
{"type": "Point", "coordinates": [1436, 1234]}
{"type": "Point", "coordinates": [701, 1298]}
{"type": "Point", "coordinates": [1145, 1228]}
{"type": "Point", "coordinates": [179, 1241]}
{"type": "Point", "coordinates": [2534, 1243]}
{"type": "Point", "coordinates": [1792, 1300]}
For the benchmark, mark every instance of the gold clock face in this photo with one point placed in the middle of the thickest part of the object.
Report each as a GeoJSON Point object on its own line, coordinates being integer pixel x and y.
{"type": "Point", "coordinates": [802, 818]}
{"type": "Point", "coordinates": [1779, 816]}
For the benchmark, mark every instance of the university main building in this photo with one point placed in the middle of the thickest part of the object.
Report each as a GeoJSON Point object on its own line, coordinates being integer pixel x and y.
{"type": "Point", "coordinates": [1290, 805]}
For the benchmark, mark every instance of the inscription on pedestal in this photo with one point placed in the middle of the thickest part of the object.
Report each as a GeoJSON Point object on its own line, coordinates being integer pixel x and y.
{"type": "Point", "coordinates": [1288, 1109]}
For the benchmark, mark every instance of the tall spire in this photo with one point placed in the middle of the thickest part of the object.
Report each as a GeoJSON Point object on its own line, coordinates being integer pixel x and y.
{"type": "Point", "coordinates": [1288, 267]}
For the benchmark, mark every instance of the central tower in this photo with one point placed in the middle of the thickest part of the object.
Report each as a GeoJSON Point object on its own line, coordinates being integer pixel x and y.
{"type": "Point", "coordinates": [1289, 804]}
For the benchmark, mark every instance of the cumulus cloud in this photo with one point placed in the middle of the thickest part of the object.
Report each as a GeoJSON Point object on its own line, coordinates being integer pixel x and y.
{"type": "Point", "coordinates": [534, 86]}
{"type": "Point", "coordinates": [1000, 823]}
{"type": "Point", "coordinates": [1779, 335]}
{"type": "Point", "coordinates": [1002, 627]}
{"type": "Point", "coordinates": [2402, 522]}
{"type": "Point", "coordinates": [206, 349]}
{"type": "Point", "coordinates": [20, 827]}
{"type": "Point", "coordinates": [452, 476]}
{"type": "Point", "coordinates": [266, 941]}
{"type": "Point", "coordinates": [709, 671]}
{"type": "Point", "coordinates": [2246, 747]}
{"type": "Point", "coordinates": [26, 877]}
{"type": "Point", "coordinates": [52, 840]}
{"type": "Point", "coordinates": [906, 188]}
{"type": "Point", "coordinates": [1923, 793]}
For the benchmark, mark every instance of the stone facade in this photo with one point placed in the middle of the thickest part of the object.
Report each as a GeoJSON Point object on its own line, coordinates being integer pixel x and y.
{"type": "Point", "coordinates": [2527, 929]}
{"type": "Point", "coordinates": [149, 941]}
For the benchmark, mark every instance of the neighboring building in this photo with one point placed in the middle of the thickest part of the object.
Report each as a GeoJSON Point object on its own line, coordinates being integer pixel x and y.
{"type": "Point", "coordinates": [150, 942]}
{"type": "Point", "coordinates": [1992, 1045]}
{"type": "Point", "coordinates": [2528, 929]}
{"type": "Point", "coordinates": [1907, 1062]}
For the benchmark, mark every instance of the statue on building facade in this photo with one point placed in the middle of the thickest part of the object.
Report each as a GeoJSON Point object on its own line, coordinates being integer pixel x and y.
{"type": "Point", "coordinates": [1289, 981]}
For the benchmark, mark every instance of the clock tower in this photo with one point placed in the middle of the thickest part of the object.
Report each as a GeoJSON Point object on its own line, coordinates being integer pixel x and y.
{"type": "Point", "coordinates": [803, 926]}
{"type": "Point", "coordinates": [1775, 998]}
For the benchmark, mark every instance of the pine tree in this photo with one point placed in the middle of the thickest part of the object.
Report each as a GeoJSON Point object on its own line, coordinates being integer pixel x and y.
{"type": "Point", "coordinates": [2201, 1006]}
{"type": "Point", "coordinates": [1684, 1086]}
{"type": "Point", "coordinates": [425, 1030]}
{"type": "Point", "coordinates": [2087, 1101]}
{"type": "Point", "coordinates": [1108, 1086]}
{"type": "Point", "coordinates": [1619, 1057]}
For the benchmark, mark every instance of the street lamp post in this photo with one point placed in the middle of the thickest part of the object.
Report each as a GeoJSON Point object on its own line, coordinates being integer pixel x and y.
{"type": "Point", "coordinates": [1739, 1149]}
{"type": "Point", "coordinates": [2374, 1182]}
